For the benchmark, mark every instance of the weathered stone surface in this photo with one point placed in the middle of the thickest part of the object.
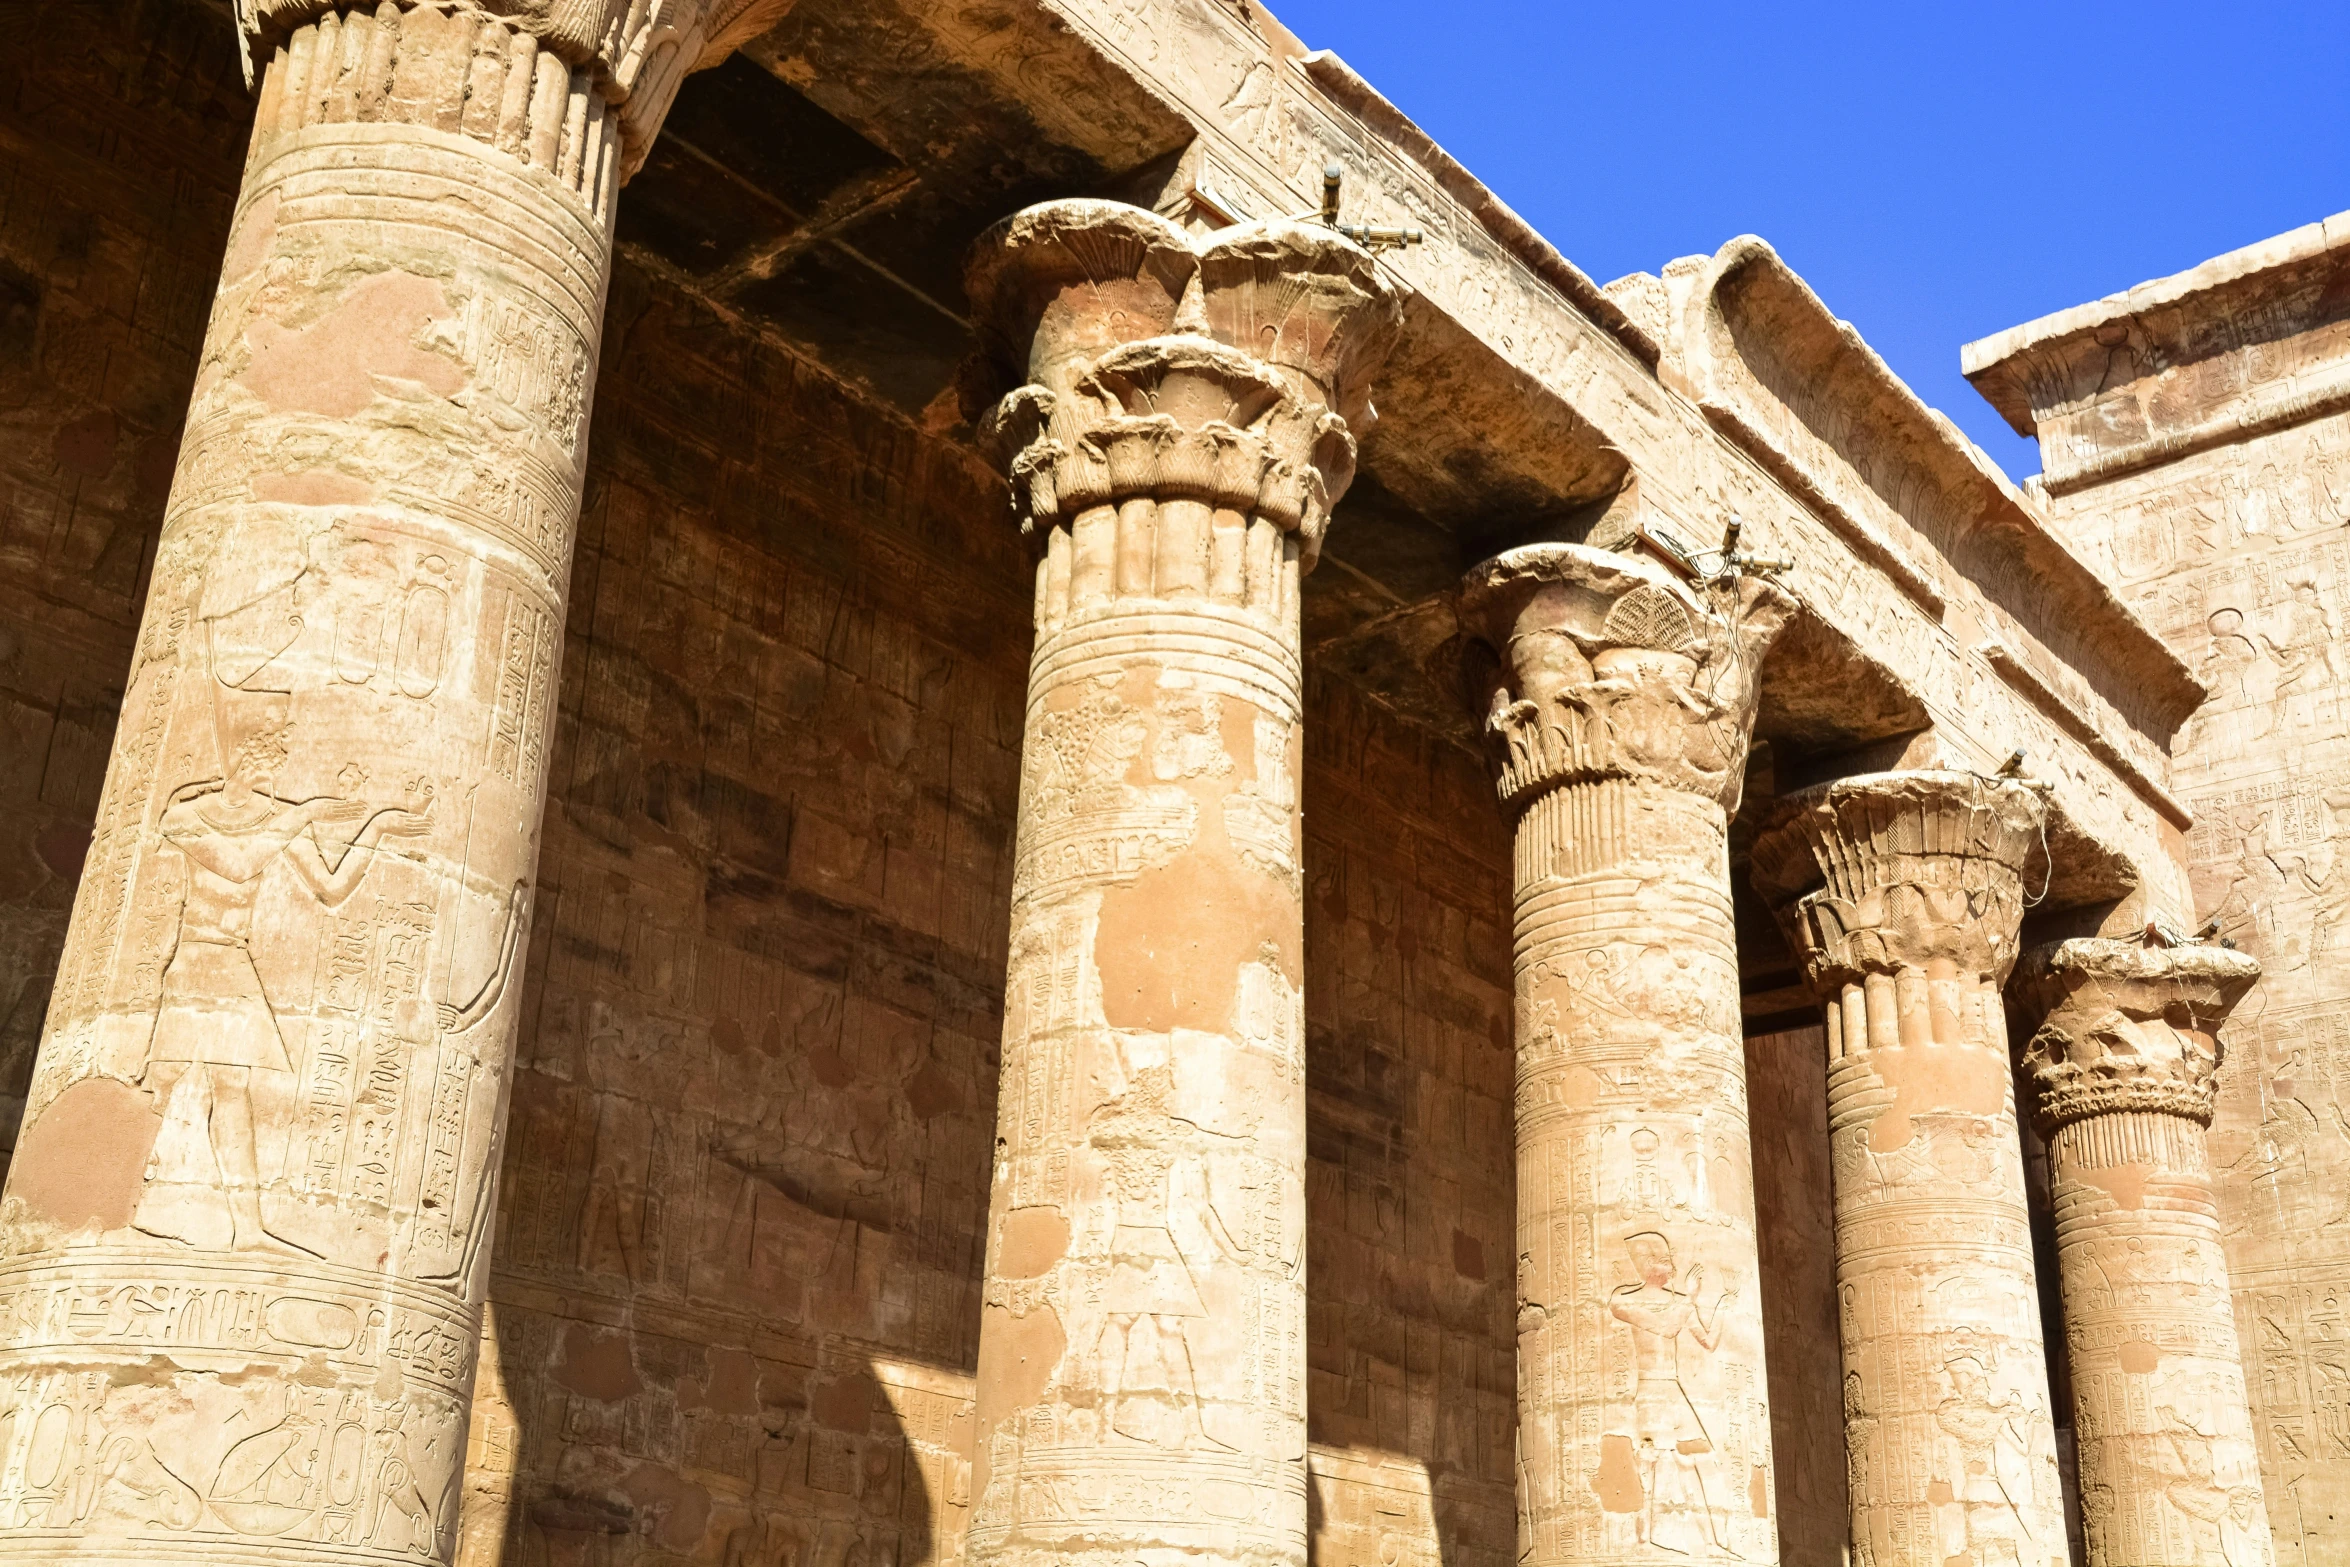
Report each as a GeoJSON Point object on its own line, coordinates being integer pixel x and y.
{"type": "Point", "coordinates": [1186, 419]}
{"type": "Point", "coordinates": [122, 137]}
{"type": "Point", "coordinates": [738, 1278]}
{"type": "Point", "coordinates": [2194, 440]}
{"type": "Point", "coordinates": [735, 1282]}
{"type": "Point", "coordinates": [1904, 893]}
{"type": "Point", "coordinates": [1621, 699]}
{"type": "Point", "coordinates": [1980, 633]}
{"type": "Point", "coordinates": [265, 1120]}
{"type": "Point", "coordinates": [2121, 1057]}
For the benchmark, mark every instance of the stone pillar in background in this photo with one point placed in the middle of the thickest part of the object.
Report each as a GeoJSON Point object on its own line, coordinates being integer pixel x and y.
{"type": "Point", "coordinates": [1188, 416]}
{"type": "Point", "coordinates": [2123, 1060]}
{"type": "Point", "coordinates": [1620, 705]}
{"type": "Point", "coordinates": [1903, 893]}
{"type": "Point", "coordinates": [246, 1229]}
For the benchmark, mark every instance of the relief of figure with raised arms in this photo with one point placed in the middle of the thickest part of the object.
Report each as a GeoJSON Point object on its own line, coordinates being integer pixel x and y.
{"type": "Point", "coordinates": [1675, 1450]}
{"type": "Point", "coordinates": [215, 1026]}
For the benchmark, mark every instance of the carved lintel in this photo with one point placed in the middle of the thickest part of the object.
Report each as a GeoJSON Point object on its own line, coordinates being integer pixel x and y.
{"type": "Point", "coordinates": [1892, 872]}
{"type": "Point", "coordinates": [1183, 414]}
{"type": "Point", "coordinates": [1591, 664]}
{"type": "Point", "coordinates": [2125, 1025]}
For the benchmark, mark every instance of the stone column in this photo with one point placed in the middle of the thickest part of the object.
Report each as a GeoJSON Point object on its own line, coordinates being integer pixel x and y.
{"type": "Point", "coordinates": [1903, 893]}
{"type": "Point", "coordinates": [2123, 1060]}
{"type": "Point", "coordinates": [1186, 416]}
{"type": "Point", "coordinates": [246, 1230]}
{"type": "Point", "coordinates": [1619, 702]}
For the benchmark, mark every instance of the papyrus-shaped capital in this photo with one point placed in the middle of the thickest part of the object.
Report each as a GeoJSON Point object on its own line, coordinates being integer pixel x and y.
{"type": "Point", "coordinates": [489, 73]}
{"type": "Point", "coordinates": [2125, 1025]}
{"type": "Point", "coordinates": [1592, 664]}
{"type": "Point", "coordinates": [1231, 373]}
{"type": "Point", "coordinates": [1887, 872]}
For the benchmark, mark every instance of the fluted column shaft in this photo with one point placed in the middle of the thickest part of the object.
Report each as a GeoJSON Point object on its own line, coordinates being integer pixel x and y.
{"type": "Point", "coordinates": [2123, 1060]}
{"type": "Point", "coordinates": [1186, 416]}
{"type": "Point", "coordinates": [1622, 700]}
{"type": "Point", "coordinates": [1903, 892]}
{"type": "Point", "coordinates": [247, 1225]}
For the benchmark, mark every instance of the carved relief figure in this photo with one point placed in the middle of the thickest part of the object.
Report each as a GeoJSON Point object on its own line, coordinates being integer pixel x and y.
{"type": "Point", "coordinates": [2242, 681]}
{"type": "Point", "coordinates": [1679, 1508]}
{"type": "Point", "coordinates": [1982, 1488]}
{"type": "Point", "coordinates": [1150, 1292]}
{"type": "Point", "coordinates": [215, 1027]}
{"type": "Point", "coordinates": [2216, 1514]}
{"type": "Point", "coordinates": [2304, 654]}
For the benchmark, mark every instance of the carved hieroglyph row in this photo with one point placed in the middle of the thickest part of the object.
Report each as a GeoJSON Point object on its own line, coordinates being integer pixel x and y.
{"type": "Point", "coordinates": [244, 1237]}
{"type": "Point", "coordinates": [2123, 1060]}
{"type": "Point", "coordinates": [1904, 892]}
{"type": "Point", "coordinates": [1621, 701]}
{"type": "Point", "coordinates": [2237, 555]}
{"type": "Point", "coordinates": [1182, 420]}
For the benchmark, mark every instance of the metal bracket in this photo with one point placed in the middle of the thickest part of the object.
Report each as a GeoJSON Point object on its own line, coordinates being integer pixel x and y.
{"type": "Point", "coordinates": [1372, 237]}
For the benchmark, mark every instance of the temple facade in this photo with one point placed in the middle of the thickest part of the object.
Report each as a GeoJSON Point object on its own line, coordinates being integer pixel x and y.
{"type": "Point", "coordinates": [850, 783]}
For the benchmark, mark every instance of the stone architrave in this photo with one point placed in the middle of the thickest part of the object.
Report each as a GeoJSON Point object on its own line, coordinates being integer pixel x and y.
{"type": "Point", "coordinates": [2123, 1059]}
{"type": "Point", "coordinates": [246, 1231]}
{"type": "Point", "coordinates": [1903, 892]}
{"type": "Point", "coordinates": [1187, 414]}
{"type": "Point", "coordinates": [1621, 699]}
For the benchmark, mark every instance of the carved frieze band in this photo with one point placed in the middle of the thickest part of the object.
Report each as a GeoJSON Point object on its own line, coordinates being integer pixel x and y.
{"type": "Point", "coordinates": [2125, 1026]}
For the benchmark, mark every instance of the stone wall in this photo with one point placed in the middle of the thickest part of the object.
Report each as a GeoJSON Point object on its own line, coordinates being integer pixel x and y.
{"type": "Point", "coordinates": [1787, 1104]}
{"type": "Point", "coordinates": [2237, 556]}
{"type": "Point", "coordinates": [748, 1151]}
{"type": "Point", "coordinates": [120, 134]}
{"type": "Point", "coordinates": [1410, 1272]}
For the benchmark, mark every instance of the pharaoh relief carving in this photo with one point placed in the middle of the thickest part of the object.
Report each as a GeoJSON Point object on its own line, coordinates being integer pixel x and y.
{"type": "Point", "coordinates": [1904, 892]}
{"type": "Point", "coordinates": [246, 1228]}
{"type": "Point", "coordinates": [2123, 1059]}
{"type": "Point", "coordinates": [1182, 420]}
{"type": "Point", "coordinates": [1619, 699]}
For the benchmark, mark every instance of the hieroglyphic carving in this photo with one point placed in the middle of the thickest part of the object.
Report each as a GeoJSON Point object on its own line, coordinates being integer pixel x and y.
{"type": "Point", "coordinates": [2123, 1061]}
{"type": "Point", "coordinates": [246, 1229]}
{"type": "Point", "coordinates": [2226, 536]}
{"type": "Point", "coordinates": [1904, 893]}
{"type": "Point", "coordinates": [1189, 415]}
{"type": "Point", "coordinates": [1621, 701]}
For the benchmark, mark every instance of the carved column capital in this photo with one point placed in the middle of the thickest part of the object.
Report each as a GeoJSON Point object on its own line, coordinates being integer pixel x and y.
{"type": "Point", "coordinates": [1888, 872]}
{"type": "Point", "coordinates": [535, 78]}
{"type": "Point", "coordinates": [1178, 407]}
{"type": "Point", "coordinates": [2125, 1025]}
{"type": "Point", "coordinates": [1592, 664]}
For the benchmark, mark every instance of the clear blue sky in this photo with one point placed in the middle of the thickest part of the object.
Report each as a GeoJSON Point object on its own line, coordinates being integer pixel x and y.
{"type": "Point", "coordinates": [1937, 171]}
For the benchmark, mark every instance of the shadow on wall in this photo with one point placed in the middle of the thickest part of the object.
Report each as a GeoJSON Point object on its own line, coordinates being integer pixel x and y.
{"type": "Point", "coordinates": [708, 1232]}
{"type": "Point", "coordinates": [733, 1312]}
{"type": "Point", "coordinates": [1787, 1106]}
{"type": "Point", "coordinates": [778, 1466]}
{"type": "Point", "coordinates": [1411, 1179]}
